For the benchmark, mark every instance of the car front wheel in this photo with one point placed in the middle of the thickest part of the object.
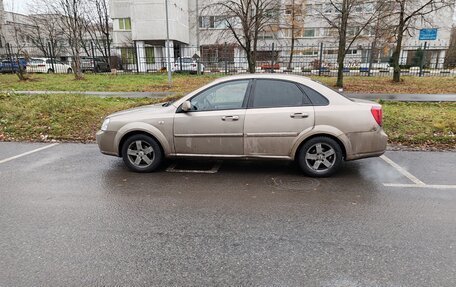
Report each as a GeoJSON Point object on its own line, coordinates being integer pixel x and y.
{"type": "Point", "coordinates": [320, 157]}
{"type": "Point", "coordinates": [142, 153]}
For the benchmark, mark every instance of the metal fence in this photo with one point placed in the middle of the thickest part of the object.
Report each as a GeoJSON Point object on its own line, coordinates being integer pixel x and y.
{"type": "Point", "coordinates": [230, 59]}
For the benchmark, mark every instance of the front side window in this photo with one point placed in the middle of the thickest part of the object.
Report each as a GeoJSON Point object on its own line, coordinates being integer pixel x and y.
{"type": "Point", "coordinates": [276, 94]}
{"type": "Point", "coordinates": [225, 96]}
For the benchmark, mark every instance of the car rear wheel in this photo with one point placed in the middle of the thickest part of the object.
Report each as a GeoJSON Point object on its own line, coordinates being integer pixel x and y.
{"type": "Point", "coordinates": [69, 71]}
{"type": "Point", "coordinates": [142, 153]}
{"type": "Point", "coordinates": [50, 71]}
{"type": "Point", "coordinates": [320, 157]}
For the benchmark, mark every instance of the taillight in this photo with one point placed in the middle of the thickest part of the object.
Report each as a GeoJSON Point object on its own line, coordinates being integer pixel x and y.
{"type": "Point", "coordinates": [41, 65]}
{"type": "Point", "coordinates": [377, 113]}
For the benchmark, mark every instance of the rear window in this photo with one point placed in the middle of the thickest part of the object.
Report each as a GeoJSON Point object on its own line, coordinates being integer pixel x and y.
{"type": "Point", "coordinates": [274, 93]}
{"type": "Point", "coordinates": [315, 97]}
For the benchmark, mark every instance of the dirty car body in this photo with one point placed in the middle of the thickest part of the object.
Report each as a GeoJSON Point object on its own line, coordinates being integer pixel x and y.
{"type": "Point", "coordinates": [250, 116]}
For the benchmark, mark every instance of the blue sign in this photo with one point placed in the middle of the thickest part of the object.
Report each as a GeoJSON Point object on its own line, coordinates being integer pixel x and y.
{"type": "Point", "coordinates": [428, 34]}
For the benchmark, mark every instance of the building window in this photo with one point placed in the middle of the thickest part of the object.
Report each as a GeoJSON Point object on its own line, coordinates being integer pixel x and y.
{"type": "Point", "coordinates": [352, 31]}
{"type": "Point", "coordinates": [128, 56]}
{"type": "Point", "coordinates": [213, 22]}
{"type": "Point", "coordinates": [125, 24]}
{"type": "Point", "coordinates": [150, 55]}
{"type": "Point", "coordinates": [297, 10]}
{"type": "Point", "coordinates": [217, 53]}
{"type": "Point", "coordinates": [309, 32]}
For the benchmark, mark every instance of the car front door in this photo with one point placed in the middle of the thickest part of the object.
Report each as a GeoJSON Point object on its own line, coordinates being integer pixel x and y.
{"type": "Point", "coordinates": [278, 112]}
{"type": "Point", "coordinates": [215, 123]}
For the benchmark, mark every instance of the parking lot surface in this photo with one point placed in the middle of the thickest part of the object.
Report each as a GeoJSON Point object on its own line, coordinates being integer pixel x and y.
{"type": "Point", "coordinates": [70, 216]}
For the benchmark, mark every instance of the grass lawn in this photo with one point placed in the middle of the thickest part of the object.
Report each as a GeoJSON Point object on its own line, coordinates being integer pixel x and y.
{"type": "Point", "coordinates": [78, 117]}
{"type": "Point", "coordinates": [187, 83]}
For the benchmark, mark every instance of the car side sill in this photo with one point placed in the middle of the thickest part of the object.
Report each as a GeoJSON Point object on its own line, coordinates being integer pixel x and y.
{"type": "Point", "coordinates": [230, 156]}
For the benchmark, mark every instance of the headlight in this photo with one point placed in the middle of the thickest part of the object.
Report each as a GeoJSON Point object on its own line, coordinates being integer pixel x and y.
{"type": "Point", "coordinates": [105, 124]}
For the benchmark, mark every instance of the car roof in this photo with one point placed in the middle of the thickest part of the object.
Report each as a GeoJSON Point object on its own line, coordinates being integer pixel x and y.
{"type": "Point", "coordinates": [275, 76]}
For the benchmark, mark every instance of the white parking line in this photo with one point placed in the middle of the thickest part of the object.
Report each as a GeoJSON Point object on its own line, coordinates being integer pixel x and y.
{"type": "Point", "coordinates": [436, 186]}
{"type": "Point", "coordinates": [214, 169]}
{"type": "Point", "coordinates": [417, 182]}
{"type": "Point", "coordinates": [27, 153]}
{"type": "Point", "coordinates": [403, 171]}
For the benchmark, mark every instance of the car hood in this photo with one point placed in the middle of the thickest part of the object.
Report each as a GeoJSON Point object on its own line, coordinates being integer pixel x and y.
{"type": "Point", "coordinates": [156, 108]}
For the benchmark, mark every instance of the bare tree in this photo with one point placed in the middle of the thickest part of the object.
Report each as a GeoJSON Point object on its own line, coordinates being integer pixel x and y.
{"type": "Point", "coordinates": [44, 31]}
{"type": "Point", "coordinates": [245, 19]}
{"type": "Point", "coordinates": [294, 23]}
{"type": "Point", "coordinates": [450, 58]}
{"type": "Point", "coordinates": [405, 13]}
{"type": "Point", "coordinates": [72, 14]}
{"type": "Point", "coordinates": [18, 51]}
{"type": "Point", "coordinates": [98, 27]}
{"type": "Point", "coordinates": [342, 15]}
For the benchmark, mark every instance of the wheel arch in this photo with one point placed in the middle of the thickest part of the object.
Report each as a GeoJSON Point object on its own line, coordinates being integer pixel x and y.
{"type": "Point", "coordinates": [342, 140]}
{"type": "Point", "coordinates": [141, 128]}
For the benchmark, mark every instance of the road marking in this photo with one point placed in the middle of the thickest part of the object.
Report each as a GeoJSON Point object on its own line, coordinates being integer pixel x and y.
{"type": "Point", "coordinates": [27, 153]}
{"type": "Point", "coordinates": [403, 171]}
{"type": "Point", "coordinates": [417, 183]}
{"type": "Point", "coordinates": [436, 186]}
{"type": "Point", "coordinates": [214, 169]}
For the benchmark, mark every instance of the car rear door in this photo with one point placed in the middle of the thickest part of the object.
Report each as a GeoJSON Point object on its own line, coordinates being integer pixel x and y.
{"type": "Point", "coordinates": [215, 124]}
{"type": "Point", "coordinates": [278, 112]}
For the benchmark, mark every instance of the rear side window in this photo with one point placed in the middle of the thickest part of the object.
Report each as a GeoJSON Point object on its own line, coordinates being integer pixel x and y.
{"type": "Point", "coordinates": [315, 97]}
{"type": "Point", "coordinates": [274, 94]}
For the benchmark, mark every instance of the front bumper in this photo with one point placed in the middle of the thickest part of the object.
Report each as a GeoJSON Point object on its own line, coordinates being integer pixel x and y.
{"type": "Point", "coordinates": [106, 142]}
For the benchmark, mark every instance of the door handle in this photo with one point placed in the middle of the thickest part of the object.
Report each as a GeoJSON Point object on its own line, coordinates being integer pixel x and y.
{"type": "Point", "coordinates": [230, 118]}
{"type": "Point", "coordinates": [299, 115]}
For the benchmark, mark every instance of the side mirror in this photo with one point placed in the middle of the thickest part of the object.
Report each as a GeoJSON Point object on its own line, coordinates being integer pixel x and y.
{"type": "Point", "coordinates": [186, 106]}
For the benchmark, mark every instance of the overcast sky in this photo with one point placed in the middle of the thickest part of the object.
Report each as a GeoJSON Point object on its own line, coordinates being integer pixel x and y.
{"type": "Point", "coordinates": [19, 6]}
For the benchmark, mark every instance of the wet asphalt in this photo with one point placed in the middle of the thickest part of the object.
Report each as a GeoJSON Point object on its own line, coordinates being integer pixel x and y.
{"type": "Point", "coordinates": [70, 216]}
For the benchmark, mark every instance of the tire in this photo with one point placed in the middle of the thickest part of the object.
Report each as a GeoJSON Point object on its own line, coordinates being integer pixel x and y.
{"type": "Point", "coordinates": [69, 71]}
{"type": "Point", "coordinates": [320, 157]}
{"type": "Point", "coordinates": [50, 71]}
{"type": "Point", "coordinates": [136, 156]}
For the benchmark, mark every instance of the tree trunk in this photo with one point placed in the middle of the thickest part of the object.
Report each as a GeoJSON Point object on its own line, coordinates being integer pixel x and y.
{"type": "Point", "coordinates": [293, 16]}
{"type": "Point", "coordinates": [397, 53]}
{"type": "Point", "coordinates": [78, 75]}
{"type": "Point", "coordinates": [340, 65]}
{"type": "Point", "coordinates": [342, 45]}
{"type": "Point", "coordinates": [290, 62]}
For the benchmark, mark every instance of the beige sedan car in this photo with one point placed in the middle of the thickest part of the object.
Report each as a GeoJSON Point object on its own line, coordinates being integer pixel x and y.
{"type": "Point", "coordinates": [249, 116]}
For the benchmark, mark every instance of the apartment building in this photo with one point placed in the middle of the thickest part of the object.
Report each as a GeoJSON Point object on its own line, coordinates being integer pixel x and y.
{"type": "Point", "coordinates": [142, 24]}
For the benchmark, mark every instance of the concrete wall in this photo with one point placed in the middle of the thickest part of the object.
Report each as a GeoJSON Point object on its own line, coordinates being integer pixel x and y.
{"type": "Point", "coordinates": [148, 20]}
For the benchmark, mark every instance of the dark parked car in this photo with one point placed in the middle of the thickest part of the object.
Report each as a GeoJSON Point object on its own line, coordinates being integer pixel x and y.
{"type": "Point", "coordinates": [94, 65]}
{"type": "Point", "coordinates": [7, 67]}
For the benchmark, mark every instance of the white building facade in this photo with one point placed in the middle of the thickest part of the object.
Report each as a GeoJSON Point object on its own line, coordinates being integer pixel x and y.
{"type": "Point", "coordinates": [142, 24]}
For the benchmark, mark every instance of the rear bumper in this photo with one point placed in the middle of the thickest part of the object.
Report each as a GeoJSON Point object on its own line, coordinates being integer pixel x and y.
{"type": "Point", "coordinates": [367, 144]}
{"type": "Point", "coordinates": [105, 141]}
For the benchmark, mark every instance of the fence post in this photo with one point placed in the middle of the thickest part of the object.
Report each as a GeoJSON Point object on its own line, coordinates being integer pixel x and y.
{"type": "Point", "coordinates": [51, 57]}
{"type": "Point", "coordinates": [10, 57]}
{"type": "Point", "coordinates": [272, 59]}
{"type": "Point", "coordinates": [93, 57]}
{"type": "Point", "coordinates": [371, 58]}
{"type": "Point", "coordinates": [136, 57]}
{"type": "Point", "coordinates": [422, 60]}
{"type": "Point", "coordinates": [321, 59]}
{"type": "Point", "coordinates": [224, 58]}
